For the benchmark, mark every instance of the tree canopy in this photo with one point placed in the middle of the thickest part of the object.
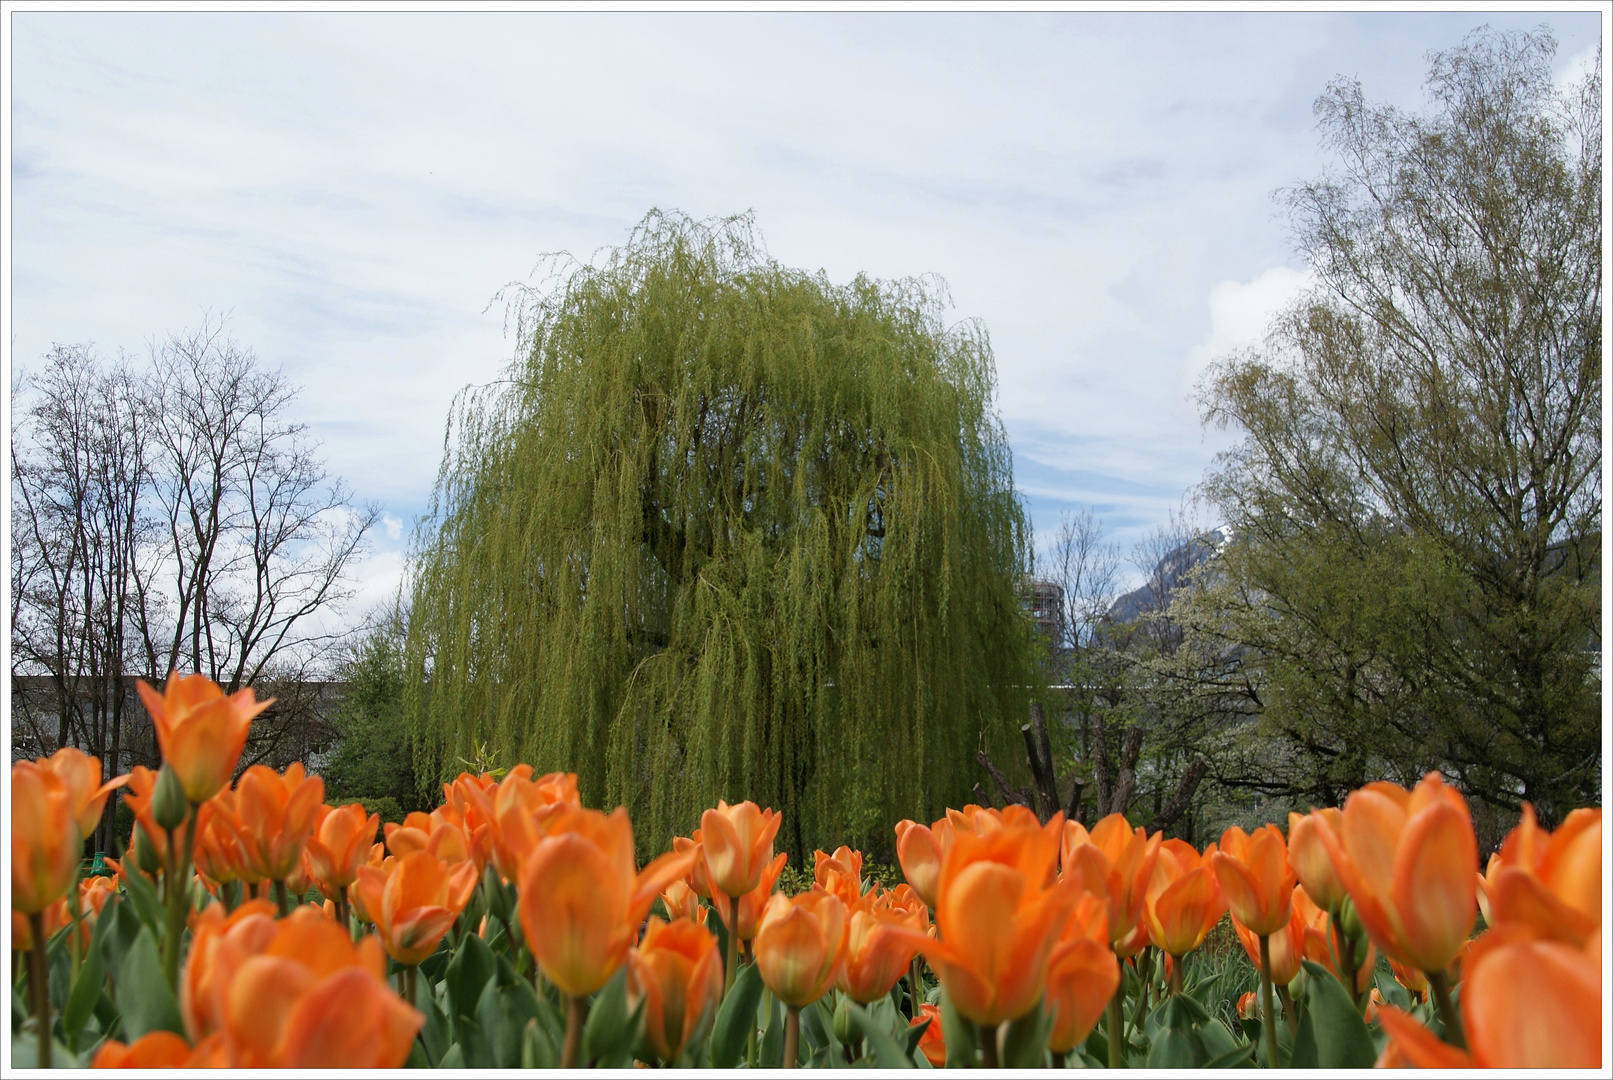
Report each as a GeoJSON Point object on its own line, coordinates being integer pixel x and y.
{"type": "Point", "coordinates": [1414, 580]}
{"type": "Point", "coordinates": [727, 530]}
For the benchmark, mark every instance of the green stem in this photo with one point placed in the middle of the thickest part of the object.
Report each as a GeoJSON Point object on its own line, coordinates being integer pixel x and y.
{"type": "Point", "coordinates": [573, 1043]}
{"type": "Point", "coordinates": [1268, 1017]}
{"type": "Point", "coordinates": [732, 967]}
{"type": "Point", "coordinates": [988, 1047]}
{"type": "Point", "coordinates": [1117, 1021]}
{"type": "Point", "coordinates": [178, 895]}
{"type": "Point", "coordinates": [411, 974]}
{"type": "Point", "coordinates": [1441, 988]}
{"type": "Point", "coordinates": [1176, 975]}
{"type": "Point", "coordinates": [1288, 1011]}
{"type": "Point", "coordinates": [39, 986]}
{"type": "Point", "coordinates": [1145, 976]}
{"type": "Point", "coordinates": [915, 988]}
{"type": "Point", "coordinates": [792, 1034]}
{"type": "Point", "coordinates": [280, 897]}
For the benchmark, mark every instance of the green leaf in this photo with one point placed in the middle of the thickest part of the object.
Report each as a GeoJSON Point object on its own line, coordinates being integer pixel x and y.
{"type": "Point", "coordinates": [736, 1019]}
{"type": "Point", "coordinates": [25, 1048]}
{"type": "Point", "coordinates": [915, 1032]}
{"type": "Point", "coordinates": [122, 927]}
{"type": "Point", "coordinates": [611, 1029]}
{"type": "Point", "coordinates": [714, 924]}
{"type": "Point", "coordinates": [538, 1049]}
{"type": "Point", "coordinates": [85, 993]}
{"type": "Point", "coordinates": [1331, 1033]}
{"type": "Point", "coordinates": [1216, 1039]}
{"type": "Point", "coordinates": [817, 1027]}
{"type": "Point", "coordinates": [144, 895]}
{"type": "Point", "coordinates": [438, 1032]}
{"type": "Point", "coordinates": [959, 1035]}
{"type": "Point", "coordinates": [1025, 1042]}
{"type": "Point", "coordinates": [880, 1046]}
{"type": "Point", "coordinates": [1237, 1057]}
{"type": "Point", "coordinates": [1391, 991]}
{"type": "Point", "coordinates": [453, 1059]}
{"type": "Point", "coordinates": [771, 1055]}
{"type": "Point", "coordinates": [501, 1018]}
{"type": "Point", "coordinates": [144, 999]}
{"type": "Point", "coordinates": [468, 973]}
{"type": "Point", "coordinates": [1175, 1048]}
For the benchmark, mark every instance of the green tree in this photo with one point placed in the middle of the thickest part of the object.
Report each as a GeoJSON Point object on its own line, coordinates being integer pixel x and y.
{"type": "Point", "coordinates": [728, 530]}
{"type": "Point", "coordinates": [373, 758]}
{"type": "Point", "coordinates": [1416, 504]}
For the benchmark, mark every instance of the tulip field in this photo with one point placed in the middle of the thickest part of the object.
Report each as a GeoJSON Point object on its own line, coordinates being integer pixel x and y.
{"type": "Point", "coordinates": [251, 925]}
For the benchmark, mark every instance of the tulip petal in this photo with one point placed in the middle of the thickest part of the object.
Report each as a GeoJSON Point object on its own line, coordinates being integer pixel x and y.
{"type": "Point", "coordinates": [1435, 872]}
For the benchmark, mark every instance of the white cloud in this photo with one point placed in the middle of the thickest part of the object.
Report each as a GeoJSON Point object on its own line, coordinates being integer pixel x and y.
{"type": "Point", "coordinates": [1577, 67]}
{"type": "Point", "coordinates": [1241, 313]}
{"type": "Point", "coordinates": [393, 526]}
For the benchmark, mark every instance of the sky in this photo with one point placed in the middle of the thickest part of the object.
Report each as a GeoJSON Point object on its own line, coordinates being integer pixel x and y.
{"type": "Point", "coordinates": [352, 191]}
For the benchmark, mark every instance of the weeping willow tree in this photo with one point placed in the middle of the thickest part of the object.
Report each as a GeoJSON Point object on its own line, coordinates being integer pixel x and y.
{"type": "Point", "coordinates": [727, 530]}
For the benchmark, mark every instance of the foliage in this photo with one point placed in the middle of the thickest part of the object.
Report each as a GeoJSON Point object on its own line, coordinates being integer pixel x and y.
{"type": "Point", "coordinates": [727, 530]}
{"type": "Point", "coordinates": [373, 760]}
{"type": "Point", "coordinates": [1413, 579]}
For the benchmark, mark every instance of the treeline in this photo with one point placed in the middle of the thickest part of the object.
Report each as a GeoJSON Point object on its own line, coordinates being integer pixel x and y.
{"type": "Point", "coordinates": [1408, 573]}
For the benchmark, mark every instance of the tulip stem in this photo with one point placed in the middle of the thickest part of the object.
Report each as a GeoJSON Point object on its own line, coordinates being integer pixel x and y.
{"type": "Point", "coordinates": [1176, 975]}
{"type": "Point", "coordinates": [988, 1047]}
{"type": "Point", "coordinates": [792, 1034]}
{"type": "Point", "coordinates": [280, 897]}
{"type": "Point", "coordinates": [1447, 1011]}
{"type": "Point", "coordinates": [178, 897]}
{"type": "Point", "coordinates": [39, 986]}
{"type": "Point", "coordinates": [410, 983]}
{"type": "Point", "coordinates": [915, 988]}
{"type": "Point", "coordinates": [573, 1044]}
{"type": "Point", "coordinates": [1268, 1018]}
{"type": "Point", "coordinates": [1117, 1021]}
{"type": "Point", "coordinates": [731, 968]}
{"type": "Point", "coordinates": [1288, 1011]}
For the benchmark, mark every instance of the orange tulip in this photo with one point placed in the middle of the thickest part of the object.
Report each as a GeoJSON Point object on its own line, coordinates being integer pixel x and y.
{"type": "Point", "coordinates": [1323, 946]}
{"type": "Point", "coordinates": [355, 896]}
{"type": "Point", "coordinates": [81, 773]}
{"type": "Point", "coordinates": [1082, 974]}
{"type": "Point", "coordinates": [676, 972]}
{"type": "Point", "coordinates": [751, 905]}
{"type": "Point", "coordinates": [159, 1050]}
{"type": "Point", "coordinates": [414, 901]}
{"type": "Point", "coordinates": [800, 945]}
{"type": "Point", "coordinates": [844, 862]}
{"type": "Point", "coordinates": [932, 1044]}
{"type": "Point", "coordinates": [1249, 1006]}
{"type": "Point", "coordinates": [1183, 901]}
{"type": "Point", "coordinates": [1410, 863]}
{"type": "Point", "coordinates": [1117, 863]}
{"type": "Point", "coordinates": [1411, 978]}
{"type": "Point", "coordinates": [1255, 877]}
{"type": "Point", "coordinates": [55, 916]}
{"type": "Point", "coordinates": [681, 902]}
{"type": "Point", "coordinates": [45, 840]}
{"type": "Point", "coordinates": [142, 785]}
{"type": "Point", "coordinates": [476, 824]}
{"type": "Point", "coordinates": [1549, 883]}
{"type": "Point", "coordinates": [876, 954]}
{"type": "Point", "coordinates": [218, 855]}
{"type": "Point", "coordinates": [296, 993]}
{"type": "Point", "coordinates": [581, 902]}
{"type": "Point", "coordinates": [340, 845]}
{"type": "Point", "coordinates": [518, 813]}
{"type": "Point", "coordinates": [1309, 858]}
{"type": "Point", "coordinates": [919, 851]}
{"type": "Point", "coordinates": [1286, 946]}
{"type": "Point", "coordinates": [1525, 1005]}
{"type": "Point", "coordinates": [738, 843]}
{"type": "Point", "coordinates": [696, 878]}
{"type": "Point", "coordinates": [200, 730]}
{"type": "Point", "coordinates": [276, 814]}
{"type": "Point", "coordinates": [998, 916]}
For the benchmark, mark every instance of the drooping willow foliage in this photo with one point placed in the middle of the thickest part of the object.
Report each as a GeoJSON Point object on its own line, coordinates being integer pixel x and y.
{"type": "Point", "coordinates": [727, 530]}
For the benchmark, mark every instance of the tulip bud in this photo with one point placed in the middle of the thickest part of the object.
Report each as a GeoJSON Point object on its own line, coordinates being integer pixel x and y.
{"type": "Point", "coordinates": [846, 1030]}
{"type": "Point", "coordinates": [1350, 923]}
{"type": "Point", "coordinates": [145, 855]}
{"type": "Point", "coordinates": [1296, 985]}
{"type": "Point", "coordinates": [168, 803]}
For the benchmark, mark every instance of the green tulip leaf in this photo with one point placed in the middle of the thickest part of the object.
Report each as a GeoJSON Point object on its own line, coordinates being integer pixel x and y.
{"type": "Point", "coordinates": [736, 1018]}
{"type": "Point", "coordinates": [144, 998]}
{"type": "Point", "coordinates": [880, 1046]}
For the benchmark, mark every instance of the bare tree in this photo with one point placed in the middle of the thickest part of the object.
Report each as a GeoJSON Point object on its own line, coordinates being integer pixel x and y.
{"type": "Point", "coordinates": [167, 517]}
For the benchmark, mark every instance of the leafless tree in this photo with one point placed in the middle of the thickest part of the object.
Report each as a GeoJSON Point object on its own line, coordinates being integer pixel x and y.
{"type": "Point", "coordinates": [170, 516]}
